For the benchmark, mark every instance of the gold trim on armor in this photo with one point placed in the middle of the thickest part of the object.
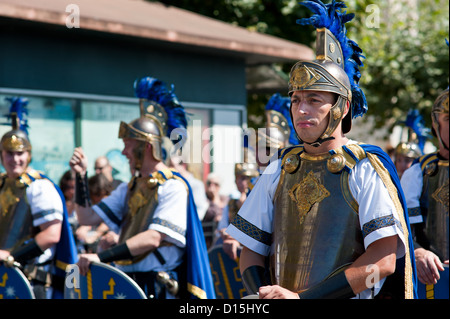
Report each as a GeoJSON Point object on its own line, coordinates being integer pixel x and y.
{"type": "Point", "coordinates": [304, 77]}
{"type": "Point", "coordinates": [291, 163]}
{"type": "Point", "coordinates": [441, 195]}
{"type": "Point", "coordinates": [7, 199]}
{"type": "Point", "coordinates": [315, 157]}
{"type": "Point", "coordinates": [196, 291]}
{"type": "Point", "coordinates": [336, 163]}
{"type": "Point", "coordinates": [138, 135]}
{"type": "Point", "coordinates": [443, 163]}
{"type": "Point", "coordinates": [306, 193]}
{"type": "Point", "coordinates": [135, 202]}
{"type": "Point", "coordinates": [347, 194]}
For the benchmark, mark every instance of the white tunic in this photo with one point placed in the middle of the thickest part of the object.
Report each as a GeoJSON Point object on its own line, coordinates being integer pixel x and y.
{"type": "Point", "coordinates": [412, 184]}
{"type": "Point", "coordinates": [46, 206]}
{"type": "Point", "coordinates": [169, 218]}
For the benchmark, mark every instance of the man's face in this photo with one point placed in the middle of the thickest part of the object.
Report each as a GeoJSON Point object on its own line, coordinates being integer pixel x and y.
{"type": "Point", "coordinates": [310, 111]}
{"type": "Point", "coordinates": [102, 167]}
{"type": "Point", "coordinates": [212, 188]}
{"type": "Point", "coordinates": [128, 151]}
{"type": "Point", "coordinates": [402, 163]}
{"type": "Point", "coordinates": [242, 183]}
{"type": "Point", "coordinates": [15, 163]}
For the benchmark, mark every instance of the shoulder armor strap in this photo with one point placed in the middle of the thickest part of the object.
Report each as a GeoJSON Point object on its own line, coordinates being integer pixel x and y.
{"type": "Point", "coordinates": [284, 153]}
{"type": "Point", "coordinates": [30, 177]}
{"type": "Point", "coordinates": [160, 177]}
{"type": "Point", "coordinates": [427, 159]}
{"type": "Point", "coordinates": [352, 153]}
{"type": "Point", "coordinates": [163, 175]}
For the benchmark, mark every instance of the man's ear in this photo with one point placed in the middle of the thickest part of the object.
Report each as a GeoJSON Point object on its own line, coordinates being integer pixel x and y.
{"type": "Point", "coordinates": [347, 108]}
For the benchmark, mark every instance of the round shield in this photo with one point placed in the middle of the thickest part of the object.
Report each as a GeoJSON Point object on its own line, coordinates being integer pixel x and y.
{"type": "Point", "coordinates": [14, 284]}
{"type": "Point", "coordinates": [101, 282]}
{"type": "Point", "coordinates": [226, 274]}
{"type": "Point", "coordinates": [437, 291]}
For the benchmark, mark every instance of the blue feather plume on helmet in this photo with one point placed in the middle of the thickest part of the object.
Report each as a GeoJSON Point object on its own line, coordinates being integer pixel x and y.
{"type": "Point", "coordinates": [331, 17]}
{"type": "Point", "coordinates": [156, 90]}
{"type": "Point", "coordinates": [19, 107]}
{"type": "Point", "coordinates": [415, 121]}
{"type": "Point", "coordinates": [282, 105]}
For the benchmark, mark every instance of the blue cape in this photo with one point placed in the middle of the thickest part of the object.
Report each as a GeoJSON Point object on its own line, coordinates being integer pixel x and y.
{"type": "Point", "coordinates": [199, 278]}
{"type": "Point", "coordinates": [387, 162]}
{"type": "Point", "coordinates": [66, 251]}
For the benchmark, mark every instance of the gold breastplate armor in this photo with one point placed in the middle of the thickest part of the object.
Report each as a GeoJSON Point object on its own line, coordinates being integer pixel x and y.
{"type": "Point", "coordinates": [142, 202]}
{"type": "Point", "coordinates": [316, 226]}
{"type": "Point", "coordinates": [16, 223]}
{"type": "Point", "coordinates": [437, 229]}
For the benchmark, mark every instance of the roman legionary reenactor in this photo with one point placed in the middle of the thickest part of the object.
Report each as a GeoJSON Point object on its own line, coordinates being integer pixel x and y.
{"type": "Point", "coordinates": [34, 229]}
{"type": "Point", "coordinates": [426, 189]}
{"type": "Point", "coordinates": [154, 214]}
{"type": "Point", "coordinates": [329, 212]}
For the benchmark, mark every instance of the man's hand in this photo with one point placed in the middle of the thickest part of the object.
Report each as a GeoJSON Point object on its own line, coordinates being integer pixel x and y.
{"type": "Point", "coordinates": [230, 247]}
{"type": "Point", "coordinates": [78, 162]}
{"type": "Point", "coordinates": [85, 261]}
{"type": "Point", "coordinates": [276, 292]}
{"type": "Point", "coordinates": [4, 254]}
{"type": "Point", "coordinates": [428, 266]}
{"type": "Point", "coordinates": [108, 240]}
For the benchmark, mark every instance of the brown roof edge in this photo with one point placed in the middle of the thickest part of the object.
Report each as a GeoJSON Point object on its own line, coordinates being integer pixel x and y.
{"type": "Point", "coordinates": [282, 50]}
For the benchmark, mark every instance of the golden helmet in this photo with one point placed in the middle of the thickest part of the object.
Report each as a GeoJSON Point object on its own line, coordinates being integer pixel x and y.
{"type": "Point", "coordinates": [161, 114]}
{"type": "Point", "coordinates": [336, 67]}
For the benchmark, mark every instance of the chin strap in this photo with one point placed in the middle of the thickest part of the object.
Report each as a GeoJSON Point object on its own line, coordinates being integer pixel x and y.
{"type": "Point", "coordinates": [319, 141]}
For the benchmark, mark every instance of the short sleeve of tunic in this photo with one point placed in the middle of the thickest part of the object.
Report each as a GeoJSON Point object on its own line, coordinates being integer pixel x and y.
{"type": "Point", "coordinates": [45, 202]}
{"type": "Point", "coordinates": [412, 184]}
{"type": "Point", "coordinates": [252, 226]}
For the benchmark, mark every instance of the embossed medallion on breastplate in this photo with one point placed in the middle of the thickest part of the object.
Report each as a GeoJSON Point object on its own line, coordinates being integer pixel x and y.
{"type": "Point", "coordinates": [136, 201]}
{"type": "Point", "coordinates": [306, 193]}
{"type": "Point", "coordinates": [7, 199]}
{"type": "Point", "coordinates": [441, 194]}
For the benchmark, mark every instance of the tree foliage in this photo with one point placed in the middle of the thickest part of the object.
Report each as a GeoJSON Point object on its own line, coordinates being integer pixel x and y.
{"type": "Point", "coordinates": [407, 59]}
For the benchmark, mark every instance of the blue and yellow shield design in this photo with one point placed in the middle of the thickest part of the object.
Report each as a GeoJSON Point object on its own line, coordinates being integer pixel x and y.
{"type": "Point", "coordinates": [438, 291]}
{"type": "Point", "coordinates": [226, 274]}
{"type": "Point", "coordinates": [14, 284]}
{"type": "Point", "coordinates": [101, 282]}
